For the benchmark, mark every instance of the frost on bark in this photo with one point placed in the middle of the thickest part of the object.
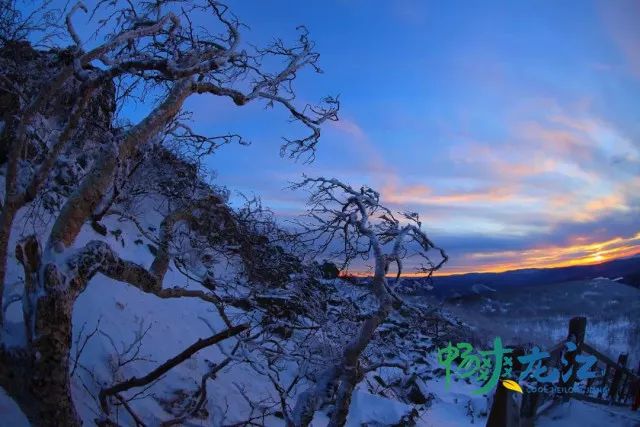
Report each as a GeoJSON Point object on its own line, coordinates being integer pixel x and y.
{"type": "Point", "coordinates": [53, 97]}
{"type": "Point", "coordinates": [359, 225]}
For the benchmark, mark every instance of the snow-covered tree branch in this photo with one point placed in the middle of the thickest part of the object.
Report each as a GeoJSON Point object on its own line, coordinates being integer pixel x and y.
{"type": "Point", "coordinates": [365, 227]}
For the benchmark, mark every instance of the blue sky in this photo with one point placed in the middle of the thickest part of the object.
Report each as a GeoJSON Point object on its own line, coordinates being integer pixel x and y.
{"type": "Point", "coordinates": [512, 127]}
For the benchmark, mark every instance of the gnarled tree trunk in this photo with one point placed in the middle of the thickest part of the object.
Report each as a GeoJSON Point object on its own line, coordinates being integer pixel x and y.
{"type": "Point", "coordinates": [37, 377]}
{"type": "Point", "coordinates": [6, 221]}
{"type": "Point", "coordinates": [41, 387]}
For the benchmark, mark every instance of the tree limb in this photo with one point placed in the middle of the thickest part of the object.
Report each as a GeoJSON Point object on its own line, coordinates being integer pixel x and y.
{"type": "Point", "coordinates": [168, 365]}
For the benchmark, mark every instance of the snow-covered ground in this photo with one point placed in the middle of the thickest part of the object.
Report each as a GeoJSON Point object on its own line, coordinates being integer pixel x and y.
{"type": "Point", "coordinates": [585, 414]}
{"type": "Point", "coordinates": [120, 312]}
{"type": "Point", "coordinates": [540, 314]}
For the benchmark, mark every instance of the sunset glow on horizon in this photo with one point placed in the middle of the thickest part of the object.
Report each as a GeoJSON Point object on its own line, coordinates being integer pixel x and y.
{"type": "Point", "coordinates": [550, 257]}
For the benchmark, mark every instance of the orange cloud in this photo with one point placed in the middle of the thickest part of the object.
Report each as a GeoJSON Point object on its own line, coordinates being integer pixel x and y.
{"type": "Point", "coordinates": [579, 252]}
{"type": "Point", "coordinates": [595, 207]}
{"type": "Point", "coordinates": [559, 140]}
{"type": "Point", "coordinates": [423, 195]}
{"type": "Point", "coordinates": [517, 170]}
{"type": "Point", "coordinates": [541, 175]}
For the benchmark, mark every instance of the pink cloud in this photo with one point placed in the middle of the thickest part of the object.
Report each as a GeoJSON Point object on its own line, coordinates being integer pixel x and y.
{"type": "Point", "coordinates": [424, 195]}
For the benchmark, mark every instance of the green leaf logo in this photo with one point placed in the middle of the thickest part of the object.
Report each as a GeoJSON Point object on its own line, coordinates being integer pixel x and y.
{"type": "Point", "coordinates": [512, 385]}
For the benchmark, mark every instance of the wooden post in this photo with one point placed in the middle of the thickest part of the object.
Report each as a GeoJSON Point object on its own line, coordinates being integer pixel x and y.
{"type": "Point", "coordinates": [605, 378]}
{"type": "Point", "coordinates": [529, 408]}
{"type": "Point", "coordinates": [529, 403]}
{"type": "Point", "coordinates": [623, 359]}
{"type": "Point", "coordinates": [504, 412]}
{"type": "Point", "coordinates": [588, 386]}
{"type": "Point", "coordinates": [624, 390]}
{"type": "Point", "coordinates": [577, 331]}
{"type": "Point", "coordinates": [617, 377]}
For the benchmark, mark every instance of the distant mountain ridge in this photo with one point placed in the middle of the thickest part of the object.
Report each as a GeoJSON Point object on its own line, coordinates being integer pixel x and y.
{"type": "Point", "coordinates": [473, 283]}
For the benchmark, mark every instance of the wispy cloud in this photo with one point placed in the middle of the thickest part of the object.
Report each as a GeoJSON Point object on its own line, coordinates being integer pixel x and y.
{"type": "Point", "coordinates": [359, 142]}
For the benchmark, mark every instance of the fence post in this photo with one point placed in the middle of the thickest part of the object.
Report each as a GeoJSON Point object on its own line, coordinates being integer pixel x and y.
{"type": "Point", "coordinates": [577, 331]}
{"type": "Point", "coordinates": [530, 398]}
{"type": "Point", "coordinates": [529, 408]}
{"type": "Point", "coordinates": [617, 376]}
{"type": "Point", "coordinates": [588, 386]}
{"type": "Point", "coordinates": [624, 390]}
{"type": "Point", "coordinates": [504, 412]}
{"type": "Point", "coordinates": [605, 379]}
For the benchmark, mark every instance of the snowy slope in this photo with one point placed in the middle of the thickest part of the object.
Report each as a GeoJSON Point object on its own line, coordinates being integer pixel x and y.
{"type": "Point", "coordinates": [122, 310]}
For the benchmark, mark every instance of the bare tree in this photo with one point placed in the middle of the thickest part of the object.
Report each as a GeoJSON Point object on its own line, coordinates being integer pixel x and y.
{"type": "Point", "coordinates": [38, 21]}
{"type": "Point", "coordinates": [364, 227]}
{"type": "Point", "coordinates": [150, 43]}
{"type": "Point", "coordinates": [152, 47]}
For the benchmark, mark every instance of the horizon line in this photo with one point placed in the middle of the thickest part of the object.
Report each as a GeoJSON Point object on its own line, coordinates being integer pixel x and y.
{"type": "Point", "coordinates": [497, 269]}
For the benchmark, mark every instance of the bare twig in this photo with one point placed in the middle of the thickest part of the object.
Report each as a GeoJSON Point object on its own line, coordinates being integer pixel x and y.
{"type": "Point", "coordinates": [168, 365]}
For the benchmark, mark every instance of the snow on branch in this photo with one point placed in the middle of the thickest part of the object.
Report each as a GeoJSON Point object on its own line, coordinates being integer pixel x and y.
{"type": "Point", "coordinates": [363, 225]}
{"type": "Point", "coordinates": [157, 42]}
